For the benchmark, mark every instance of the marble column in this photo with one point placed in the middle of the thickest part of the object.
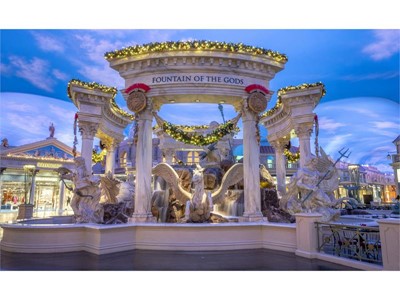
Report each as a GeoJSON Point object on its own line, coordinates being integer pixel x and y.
{"type": "Point", "coordinates": [110, 157]}
{"type": "Point", "coordinates": [61, 199]}
{"type": "Point", "coordinates": [33, 187]}
{"type": "Point", "coordinates": [303, 131]}
{"type": "Point", "coordinates": [143, 191]}
{"type": "Point", "coordinates": [251, 166]}
{"type": "Point", "coordinates": [280, 165]}
{"type": "Point", "coordinates": [88, 131]}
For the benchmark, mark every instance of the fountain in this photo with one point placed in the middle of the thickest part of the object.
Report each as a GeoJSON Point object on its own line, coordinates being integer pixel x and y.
{"type": "Point", "coordinates": [219, 205]}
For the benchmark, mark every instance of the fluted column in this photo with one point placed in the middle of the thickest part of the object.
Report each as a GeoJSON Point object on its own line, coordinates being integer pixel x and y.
{"type": "Point", "coordinates": [143, 191]}
{"type": "Point", "coordinates": [303, 131]}
{"type": "Point", "coordinates": [33, 187]}
{"type": "Point", "coordinates": [88, 131]}
{"type": "Point", "coordinates": [251, 162]}
{"type": "Point", "coordinates": [110, 157]}
{"type": "Point", "coordinates": [280, 165]}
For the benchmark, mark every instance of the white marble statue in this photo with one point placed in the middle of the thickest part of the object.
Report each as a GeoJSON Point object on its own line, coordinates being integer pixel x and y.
{"type": "Point", "coordinates": [85, 202]}
{"type": "Point", "coordinates": [312, 188]}
{"type": "Point", "coordinates": [198, 203]}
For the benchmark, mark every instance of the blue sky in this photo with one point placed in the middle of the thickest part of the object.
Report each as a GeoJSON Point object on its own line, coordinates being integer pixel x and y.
{"type": "Point", "coordinates": [360, 69]}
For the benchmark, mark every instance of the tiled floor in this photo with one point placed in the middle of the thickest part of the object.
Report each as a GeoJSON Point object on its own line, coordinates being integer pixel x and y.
{"type": "Point", "coordinates": [238, 260]}
{"type": "Point", "coordinates": [146, 260]}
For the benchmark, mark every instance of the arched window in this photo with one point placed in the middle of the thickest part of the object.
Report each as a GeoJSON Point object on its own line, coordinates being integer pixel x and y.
{"type": "Point", "coordinates": [193, 158]}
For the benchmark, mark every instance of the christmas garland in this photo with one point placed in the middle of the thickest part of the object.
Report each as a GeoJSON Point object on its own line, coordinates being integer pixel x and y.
{"type": "Point", "coordinates": [291, 157]}
{"type": "Point", "coordinates": [104, 89]}
{"type": "Point", "coordinates": [284, 90]}
{"type": "Point", "coordinates": [178, 133]}
{"type": "Point", "coordinates": [194, 45]}
{"type": "Point", "coordinates": [193, 138]}
{"type": "Point", "coordinates": [98, 157]}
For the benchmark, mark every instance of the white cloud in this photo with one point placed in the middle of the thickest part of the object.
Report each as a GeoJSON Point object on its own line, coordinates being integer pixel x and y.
{"type": "Point", "coordinates": [48, 43]}
{"type": "Point", "coordinates": [386, 125]}
{"type": "Point", "coordinates": [61, 113]}
{"type": "Point", "coordinates": [4, 69]}
{"type": "Point", "coordinates": [14, 106]}
{"type": "Point", "coordinates": [362, 111]}
{"type": "Point", "coordinates": [386, 44]}
{"type": "Point", "coordinates": [371, 76]}
{"type": "Point", "coordinates": [332, 144]}
{"type": "Point", "coordinates": [329, 124]}
{"type": "Point", "coordinates": [59, 75]}
{"type": "Point", "coordinates": [36, 123]}
{"type": "Point", "coordinates": [34, 71]}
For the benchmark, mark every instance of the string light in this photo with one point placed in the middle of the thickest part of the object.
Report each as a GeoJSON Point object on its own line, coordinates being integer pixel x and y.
{"type": "Point", "coordinates": [104, 89]}
{"type": "Point", "coordinates": [291, 157]}
{"type": "Point", "coordinates": [194, 45]}
{"type": "Point", "coordinates": [98, 157]}
{"type": "Point", "coordinates": [284, 90]}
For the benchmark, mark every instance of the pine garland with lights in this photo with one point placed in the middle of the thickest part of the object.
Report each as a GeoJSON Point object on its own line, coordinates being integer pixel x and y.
{"type": "Point", "coordinates": [291, 157]}
{"type": "Point", "coordinates": [194, 45]}
{"type": "Point", "coordinates": [104, 89]}
{"type": "Point", "coordinates": [284, 90]}
{"type": "Point", "coordinates": [193, 138]}
{"type": "Point", "coordinates": [98, 157]}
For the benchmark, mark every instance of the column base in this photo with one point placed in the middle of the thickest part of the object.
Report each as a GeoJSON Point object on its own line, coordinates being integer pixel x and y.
{"type": "Point", "coordinates": [25, 211]}
{"type": "Point", "coordinates": [142, 217]}
{"type": "Point", "coordinates": [252, 217]}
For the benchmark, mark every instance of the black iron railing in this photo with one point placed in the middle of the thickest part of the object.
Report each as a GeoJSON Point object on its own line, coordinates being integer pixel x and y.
{"type": "Point", "coordinates": [360, 243]}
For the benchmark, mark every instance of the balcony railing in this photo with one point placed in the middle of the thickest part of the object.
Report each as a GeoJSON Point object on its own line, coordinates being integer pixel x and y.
{"type": "Point", "coordinates": [353, 242]}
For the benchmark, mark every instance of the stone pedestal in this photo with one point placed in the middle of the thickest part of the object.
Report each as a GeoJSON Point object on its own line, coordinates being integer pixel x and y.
{"type": "Point", "coordinates": [306, 234]}
{"type": "Point", "coordinates": [138, 217]}
{"type": "Point", "coordinates": [25, 211]}
{"type": "Point", "coordinates": [389, 231]}
{"type": "Point", "coordinates": [252, 217]}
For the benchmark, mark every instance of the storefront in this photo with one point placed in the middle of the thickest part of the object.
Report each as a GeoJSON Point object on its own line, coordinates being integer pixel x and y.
{"type": "Point", "coordinates": [28, 175]}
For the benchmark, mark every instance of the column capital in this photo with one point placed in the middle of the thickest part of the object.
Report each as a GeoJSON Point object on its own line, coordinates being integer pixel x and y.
{"type": "Point", "coordinates": [279, 145]}
{"type": "Point", "coordinates": [304, 130]}
{"type": "Point", "coordinates": [88, 129]}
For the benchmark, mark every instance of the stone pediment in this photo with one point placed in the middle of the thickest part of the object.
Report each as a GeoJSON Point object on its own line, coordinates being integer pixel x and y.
{"type": "Point", "coordinates": [50, 147]}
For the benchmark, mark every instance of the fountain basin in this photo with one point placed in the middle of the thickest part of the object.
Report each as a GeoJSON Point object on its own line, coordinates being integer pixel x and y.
{"type": "Point", "coordinates": [36, 237]}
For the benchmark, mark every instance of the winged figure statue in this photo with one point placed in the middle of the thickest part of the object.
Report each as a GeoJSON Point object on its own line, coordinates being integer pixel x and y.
{"type": "Point", "coordinates": [231, 177]}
